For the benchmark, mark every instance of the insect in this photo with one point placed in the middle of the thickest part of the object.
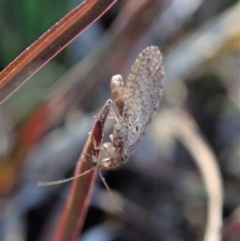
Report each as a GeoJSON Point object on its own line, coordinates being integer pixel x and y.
{"type": "Point", "coordinates": [137, 102]}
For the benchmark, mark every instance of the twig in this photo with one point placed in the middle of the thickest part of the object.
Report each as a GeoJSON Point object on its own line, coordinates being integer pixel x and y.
{"type": "Point", "coordinates": [182, 126]}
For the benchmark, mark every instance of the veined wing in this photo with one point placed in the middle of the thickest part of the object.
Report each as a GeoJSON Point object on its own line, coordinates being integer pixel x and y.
{"type": "Point", "coordinates": [143, 92]}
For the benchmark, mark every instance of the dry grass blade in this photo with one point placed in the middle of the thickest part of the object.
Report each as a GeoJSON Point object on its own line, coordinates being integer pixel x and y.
{"type": "Point", "coordinates": [49, 44]}
{"type": "Point", "coordinates": [201, 45]}
{"type": "Point", "coordinates": [186, 130]}
{"type": "Point", "coordinates": [74, 212]}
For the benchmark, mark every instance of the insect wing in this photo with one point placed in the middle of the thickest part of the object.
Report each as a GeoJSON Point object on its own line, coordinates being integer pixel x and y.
{"type": "Point", "coordinates": [142, 96]}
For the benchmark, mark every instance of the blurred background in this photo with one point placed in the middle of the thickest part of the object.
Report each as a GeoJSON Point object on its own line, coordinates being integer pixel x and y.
{"type": "Point", "coordinates": [183, 182]}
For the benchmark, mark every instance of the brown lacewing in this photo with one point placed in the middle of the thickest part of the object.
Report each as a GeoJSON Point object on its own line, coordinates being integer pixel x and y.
{"type": "Point", "coordinates": [137, 101]}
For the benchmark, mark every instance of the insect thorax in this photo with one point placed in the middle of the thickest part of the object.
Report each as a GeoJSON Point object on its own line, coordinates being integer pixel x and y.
{"type": "Point", "coordinates": [114, 156]}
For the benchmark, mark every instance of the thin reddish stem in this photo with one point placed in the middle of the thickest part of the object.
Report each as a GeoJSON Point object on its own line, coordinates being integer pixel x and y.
{"type": "Point", "coordinates": [49, 44]}
{"type": "Point", "coordinates": [74, 212]}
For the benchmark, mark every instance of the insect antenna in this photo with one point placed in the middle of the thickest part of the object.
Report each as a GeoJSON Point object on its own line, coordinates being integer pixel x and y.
{"type": "Point", "coordinates": [41, 184]}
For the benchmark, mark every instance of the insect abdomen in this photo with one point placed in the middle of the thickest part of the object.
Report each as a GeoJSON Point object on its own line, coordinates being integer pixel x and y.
{"type": "Point", "coordinates": [117, 91]}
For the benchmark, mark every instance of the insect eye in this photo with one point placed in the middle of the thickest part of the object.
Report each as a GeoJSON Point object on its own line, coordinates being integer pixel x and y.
{"type": "Point", "coordinates": [94, 161]}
